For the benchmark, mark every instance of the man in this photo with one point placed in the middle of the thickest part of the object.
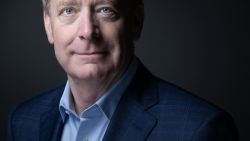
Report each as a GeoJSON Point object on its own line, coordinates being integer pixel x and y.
{"type": "Point", "coordinates": [109, 94]}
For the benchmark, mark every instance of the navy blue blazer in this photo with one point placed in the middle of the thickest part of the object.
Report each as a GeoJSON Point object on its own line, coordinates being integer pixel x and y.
{"type": "Point", "coordinates": [150, 110]}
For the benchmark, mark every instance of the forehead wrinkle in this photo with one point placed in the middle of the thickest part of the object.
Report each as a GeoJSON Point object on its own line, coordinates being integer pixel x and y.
{"type": "Point", "coordinates": [69, 2]}
{"type": "Point", "coordinates": [73, 2]}
{"type": "Point", "coordinates": [104, 1]}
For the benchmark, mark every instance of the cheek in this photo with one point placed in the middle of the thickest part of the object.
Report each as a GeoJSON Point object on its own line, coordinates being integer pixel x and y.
{"type": "Point", "coordinates": [63, 36]}
{"type": "Point", "coordinates": [113, 34]}
{"type": "Point", "coordinates": [121, 44]}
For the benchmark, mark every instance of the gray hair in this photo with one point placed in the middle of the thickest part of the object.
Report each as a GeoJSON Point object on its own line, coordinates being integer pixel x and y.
{"type": "Point", "coordinates": [45, 4]}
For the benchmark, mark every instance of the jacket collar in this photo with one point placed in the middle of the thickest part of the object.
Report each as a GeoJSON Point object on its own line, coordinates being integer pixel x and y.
{"type": "Point", "coordinates": [131, 121]}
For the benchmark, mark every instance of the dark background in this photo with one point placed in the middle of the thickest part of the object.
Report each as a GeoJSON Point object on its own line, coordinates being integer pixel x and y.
{"type": "Point", "coordinates": [200, 45]}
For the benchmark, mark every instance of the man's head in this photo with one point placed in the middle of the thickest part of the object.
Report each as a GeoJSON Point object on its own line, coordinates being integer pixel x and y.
{"type": "Point", "coordinates": [93, 39]}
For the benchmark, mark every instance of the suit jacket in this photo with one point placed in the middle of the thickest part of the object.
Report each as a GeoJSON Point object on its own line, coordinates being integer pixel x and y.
{"type": "Point", "coordinates": [150, 109]}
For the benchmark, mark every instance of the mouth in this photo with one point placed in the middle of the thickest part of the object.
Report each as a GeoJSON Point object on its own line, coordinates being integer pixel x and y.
{"type": "Point", "coordinates": [94, 53]}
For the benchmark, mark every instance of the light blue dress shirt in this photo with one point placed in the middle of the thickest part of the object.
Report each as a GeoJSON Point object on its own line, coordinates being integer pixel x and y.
{"type": "Point", "coordinates": [92, 123]}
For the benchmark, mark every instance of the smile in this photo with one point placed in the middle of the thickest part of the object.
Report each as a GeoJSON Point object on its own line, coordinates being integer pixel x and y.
{"type": "Point", "coordinates": [89, 54]}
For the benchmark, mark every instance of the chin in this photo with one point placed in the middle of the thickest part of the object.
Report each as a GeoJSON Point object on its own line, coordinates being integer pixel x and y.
{"type": "Point", "coordinates": [90, 72]}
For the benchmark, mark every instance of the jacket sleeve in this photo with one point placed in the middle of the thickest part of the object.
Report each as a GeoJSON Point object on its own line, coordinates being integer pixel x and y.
{"type": "Point", "coordinates": [219, 127]}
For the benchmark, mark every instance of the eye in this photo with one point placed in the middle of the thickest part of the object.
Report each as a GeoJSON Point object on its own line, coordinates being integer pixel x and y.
{"type": "Point", "coordinates": [68, 11]}
{"type": "Point", "coordinates": [106, 10]}
{"type": "Point", "coordinates": [107, 13]}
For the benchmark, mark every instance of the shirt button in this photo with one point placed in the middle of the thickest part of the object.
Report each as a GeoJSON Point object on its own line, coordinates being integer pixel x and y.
{"type": "Point", "coordinates": [67, 112]}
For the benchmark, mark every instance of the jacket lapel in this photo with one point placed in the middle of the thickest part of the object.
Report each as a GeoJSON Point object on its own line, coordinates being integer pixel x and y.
{"type": "Point", "coordinates": [132, 124]}
{"type": "Point", "coordinates": [131, 121]}
{"type": "Point", "coordinates": [51, 126]}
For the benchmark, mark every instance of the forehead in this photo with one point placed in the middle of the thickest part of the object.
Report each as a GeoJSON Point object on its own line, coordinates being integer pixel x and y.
{"type": "Point", "coordinates": [86, 1]}
{"type": "Point", "coordinates": [123, 5]}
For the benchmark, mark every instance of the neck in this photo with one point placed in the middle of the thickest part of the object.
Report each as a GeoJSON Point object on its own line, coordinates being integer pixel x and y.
{"type": "Point", "coordinates": [85, 93]}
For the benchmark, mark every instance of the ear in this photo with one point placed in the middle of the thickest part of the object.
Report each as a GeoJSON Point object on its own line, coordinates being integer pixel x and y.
{"type": "Point", "coordinates": [48, 27]}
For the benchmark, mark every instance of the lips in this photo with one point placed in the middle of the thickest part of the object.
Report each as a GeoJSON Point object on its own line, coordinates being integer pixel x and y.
{"type": "Point", "coordinates": [91, 53]}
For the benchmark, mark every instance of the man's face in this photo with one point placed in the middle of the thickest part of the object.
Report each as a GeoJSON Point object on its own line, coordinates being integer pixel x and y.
{"type": "Point", "coordinates": [93, 39]}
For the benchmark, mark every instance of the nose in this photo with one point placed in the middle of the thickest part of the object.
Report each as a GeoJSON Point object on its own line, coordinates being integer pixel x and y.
{"type": "Point", "coordinates": [87, 26]}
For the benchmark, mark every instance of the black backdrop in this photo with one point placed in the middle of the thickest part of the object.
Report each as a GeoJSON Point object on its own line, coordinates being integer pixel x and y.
{"type": "Point", "coordinates": [200, 45]}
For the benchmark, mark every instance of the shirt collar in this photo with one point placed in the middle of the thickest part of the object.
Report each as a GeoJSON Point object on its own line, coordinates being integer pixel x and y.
{"type": "Point", "coordinates": [108, 102]}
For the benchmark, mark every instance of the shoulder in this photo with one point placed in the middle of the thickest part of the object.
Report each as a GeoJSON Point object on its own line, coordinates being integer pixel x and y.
{"type": "Point", "coordinates": [183, 103]}
{"type": "Point", "coordinates": [170, 96]}
{"type": "Point", "coordinates": [188, 115]}
{"type": "Point", "coordinates": [39, 104]}
{"type": "Point", "coordinates": [179, 114]}
{"type": "Point", "coordinates": [174, 96]}
{"type": "Point", "coordinates": [24, 121]}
